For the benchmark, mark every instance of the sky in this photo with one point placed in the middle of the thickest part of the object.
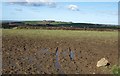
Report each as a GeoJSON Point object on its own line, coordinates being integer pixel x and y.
{"type": "Point", "coordinates": [82, 12]}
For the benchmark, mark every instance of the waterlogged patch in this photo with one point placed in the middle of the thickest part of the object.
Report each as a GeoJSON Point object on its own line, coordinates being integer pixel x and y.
{"type": "Point", "coordinates": [57, 64]}
{"type": "Point", "coordinates": [71, 55]}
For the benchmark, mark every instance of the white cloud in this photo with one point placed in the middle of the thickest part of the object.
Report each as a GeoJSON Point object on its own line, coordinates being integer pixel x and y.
{"type": "Point", "coordinates": [67, 0]}
{"type": "Point", "coordinates": [73, 7]}
{"type": "Point", "coordinates": [41, 3]}
{"type": "Point", "coordinates": [49, 3]}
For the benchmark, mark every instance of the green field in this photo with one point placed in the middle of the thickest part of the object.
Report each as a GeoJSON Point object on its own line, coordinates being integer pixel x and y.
{"type": "Point", "coordinates": [60, 33]}
{"type": "Point", "coordinates": [69, 24]}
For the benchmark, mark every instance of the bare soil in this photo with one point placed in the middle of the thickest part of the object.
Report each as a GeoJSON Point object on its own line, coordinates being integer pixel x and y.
{"type": "Point", "coordinates": [22, 55]}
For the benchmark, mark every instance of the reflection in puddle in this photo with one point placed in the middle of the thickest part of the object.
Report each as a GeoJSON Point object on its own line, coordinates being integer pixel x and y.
{"type": "Point", "coordinates": [71, 54]}
{"type": "Point", "coordinates": [45, 50]}
{"type": "Point", "coordinates": [57, 64]}
{"type": "Point", "coordinates": [64, 53]}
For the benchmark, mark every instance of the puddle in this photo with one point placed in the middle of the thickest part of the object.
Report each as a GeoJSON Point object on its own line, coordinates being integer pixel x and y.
{"type": "Point", "coordinates": [71, 54]}
{"type": "Point", "coordinates": [31, 59]}
{"type": "Point", "coordinates": [45, 50]}
{"type": "Point", "coordinates": [79, 55]}
{"type": "Point", "coordinates": [64, 53]}
{"type": "Point", "coordinates": [57, 64]}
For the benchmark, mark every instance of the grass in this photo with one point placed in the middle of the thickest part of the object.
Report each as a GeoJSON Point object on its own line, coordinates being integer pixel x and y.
{"type": "Point", "coordinates": [59, 33]}
{"type": "Point", "coordinates": [116, 70]}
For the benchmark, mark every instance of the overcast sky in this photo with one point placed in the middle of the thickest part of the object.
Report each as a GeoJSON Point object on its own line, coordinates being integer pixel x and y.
{"type": "Point", "coordinates": [83, 12]}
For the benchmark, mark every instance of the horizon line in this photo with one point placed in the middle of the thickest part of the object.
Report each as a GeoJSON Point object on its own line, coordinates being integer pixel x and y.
{"type": "Point", "coordinates": [58, 21]}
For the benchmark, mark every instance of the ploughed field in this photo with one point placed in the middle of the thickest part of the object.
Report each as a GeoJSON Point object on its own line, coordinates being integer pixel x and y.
{"type": "Point", "coordinates": [26, 51]}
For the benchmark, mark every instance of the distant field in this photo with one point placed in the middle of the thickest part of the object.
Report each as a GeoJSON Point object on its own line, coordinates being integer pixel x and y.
{"type": "Point", "coordinates": [60, 33]}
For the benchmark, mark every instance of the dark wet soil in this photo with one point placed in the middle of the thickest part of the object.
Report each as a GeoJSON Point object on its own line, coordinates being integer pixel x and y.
{"type": "Point", "coordinates": [57, 56]}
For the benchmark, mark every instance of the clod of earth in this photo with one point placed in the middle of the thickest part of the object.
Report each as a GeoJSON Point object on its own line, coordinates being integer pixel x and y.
{"type": "Point", "coordinates": [93, 72]}
{"type": "Point", "coordinates": [102, 62]}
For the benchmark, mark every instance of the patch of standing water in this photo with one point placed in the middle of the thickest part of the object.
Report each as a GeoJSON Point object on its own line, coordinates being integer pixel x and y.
{"type": "Point", "coordinates": [71, 55]}
{"type": "Point", "coordinates": [45, 50]}
{"type": "Point", "coordinates": [64, 53]}
{"type": "Point", "coordinates": [57, 64]}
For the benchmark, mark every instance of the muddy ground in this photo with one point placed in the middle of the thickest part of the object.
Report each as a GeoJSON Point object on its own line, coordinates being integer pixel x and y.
{"type": "Point", "coordinates": [22, 55]}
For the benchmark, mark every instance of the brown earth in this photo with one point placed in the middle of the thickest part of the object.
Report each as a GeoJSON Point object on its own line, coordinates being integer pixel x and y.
{"type": "Point", "coordinates": [23, 55]}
